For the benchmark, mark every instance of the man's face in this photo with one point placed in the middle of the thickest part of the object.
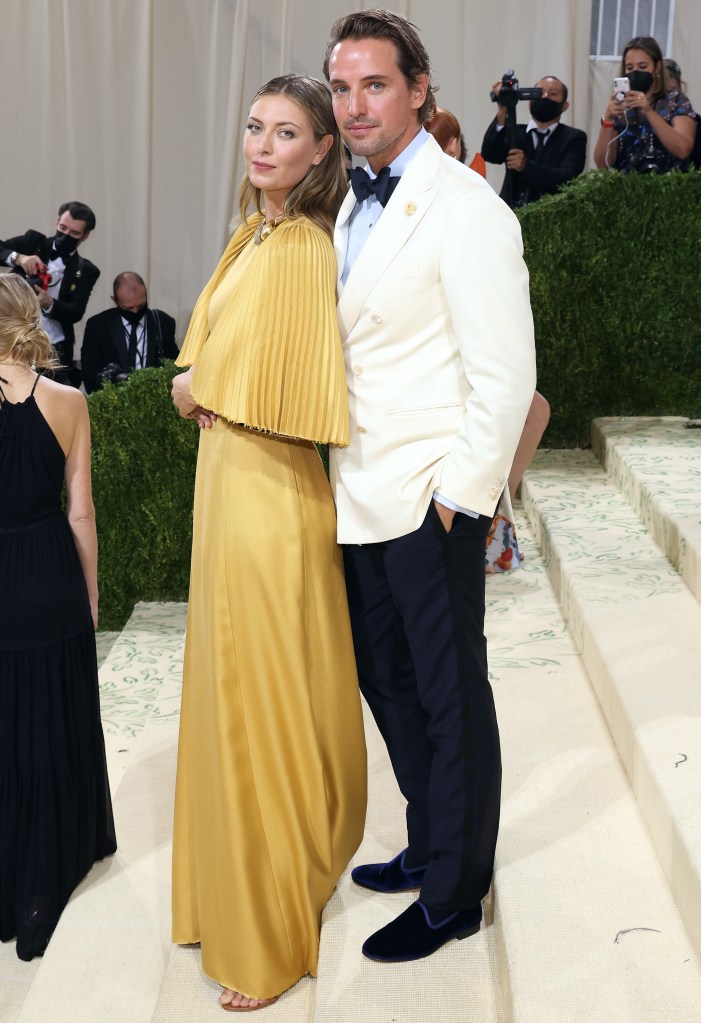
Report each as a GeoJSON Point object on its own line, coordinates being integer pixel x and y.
{"type": "Point", "coordinates": [75, 228]}
{"type": "Point", "coordinates": [552, 89]}
{"type": "Point", "coordinates": [130, 295]}
{"type": "Point", "coordinates": [376, 111]}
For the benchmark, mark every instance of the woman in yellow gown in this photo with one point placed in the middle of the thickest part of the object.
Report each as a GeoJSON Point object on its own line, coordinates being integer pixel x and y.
{"type": "Point", "coordinates": [271, 781]}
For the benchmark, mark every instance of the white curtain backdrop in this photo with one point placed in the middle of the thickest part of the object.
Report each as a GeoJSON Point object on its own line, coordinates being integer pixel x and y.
{"type": "Point", "coordinates": [137, 107]}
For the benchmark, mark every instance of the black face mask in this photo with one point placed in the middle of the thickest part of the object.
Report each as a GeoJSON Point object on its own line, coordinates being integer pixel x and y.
{"type": "Point", "coordinates": [64, 244]}
{"type": "Point", "coordinates": [133, 317]}
{"type": "Point", "coordinates": [545, 109]}
{"type": "Point", "coordinates": [640, 81]}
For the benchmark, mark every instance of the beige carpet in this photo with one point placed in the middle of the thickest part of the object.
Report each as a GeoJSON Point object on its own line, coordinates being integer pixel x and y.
{"type": "Point", "coordinates": [457, 984]}
{"type": "Point", "coordinates": [585, 927]}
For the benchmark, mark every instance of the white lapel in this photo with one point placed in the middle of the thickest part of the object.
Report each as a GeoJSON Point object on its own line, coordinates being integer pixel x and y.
{"type": "Point", "coordinates": [402, 215]}
{"type": "Point", "coordinates": [340, 235]}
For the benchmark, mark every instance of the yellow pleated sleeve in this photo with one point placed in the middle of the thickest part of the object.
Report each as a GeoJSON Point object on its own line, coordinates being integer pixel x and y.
{"type": "Point", "coordinates": [273, 360]}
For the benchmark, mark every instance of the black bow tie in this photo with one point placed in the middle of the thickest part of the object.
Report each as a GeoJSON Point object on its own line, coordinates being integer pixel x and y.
{"type": "Point", "coordinates": [364, 186]}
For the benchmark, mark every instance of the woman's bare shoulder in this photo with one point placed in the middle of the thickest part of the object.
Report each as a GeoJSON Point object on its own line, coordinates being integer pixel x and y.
{"type": "Point", "coordinates": [61, 398]}
{"type": "Point", "coordinates": [61, 392]}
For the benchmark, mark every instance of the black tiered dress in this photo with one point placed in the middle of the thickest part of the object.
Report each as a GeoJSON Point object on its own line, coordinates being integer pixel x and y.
{"type": "Point", "coordinates": [55, 808]}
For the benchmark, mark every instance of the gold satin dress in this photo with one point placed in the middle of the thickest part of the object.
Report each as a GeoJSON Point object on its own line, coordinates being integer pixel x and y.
{"type": "Point", "coordinates": [271, 779]}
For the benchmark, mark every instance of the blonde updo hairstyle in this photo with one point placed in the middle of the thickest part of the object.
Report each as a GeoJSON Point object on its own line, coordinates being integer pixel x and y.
{"type": "Point", "coordinates": [22, 340]}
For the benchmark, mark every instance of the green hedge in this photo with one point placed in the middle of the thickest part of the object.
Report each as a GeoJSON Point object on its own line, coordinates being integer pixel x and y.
{"type": "Point", "coordinates": [143, 462]}
{"type": "Point", "coordinates": [614, 264]}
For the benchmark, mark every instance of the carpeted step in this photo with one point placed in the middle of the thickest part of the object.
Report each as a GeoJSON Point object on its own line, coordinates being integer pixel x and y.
{"type": "Point", "coordinates": [459, 982]}
{"type": "Point", "coordinates": [585, 926]}
{"type": "Point", "coordinates": [588, 929]}
{"type": "Point", "coordinates": [637, 628]}
{"type": "Point", "coordinates": [656, 464]}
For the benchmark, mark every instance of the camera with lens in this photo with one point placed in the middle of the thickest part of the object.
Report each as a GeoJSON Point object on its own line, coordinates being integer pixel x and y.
{"type": "Point", "coordinates": [510, 92]}
{"type": "Point", "coordinates": [112, 373]}
{"type": "Point", "coordinates": [647, 162]}
{"type": "Point", "coordinates": [646, 166]}
{"type": "Point", "coordinates": [41, 279]}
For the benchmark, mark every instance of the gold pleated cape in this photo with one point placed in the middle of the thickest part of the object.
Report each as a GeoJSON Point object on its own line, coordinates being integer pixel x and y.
{"type": "Point", "coordinates": [273, 360]}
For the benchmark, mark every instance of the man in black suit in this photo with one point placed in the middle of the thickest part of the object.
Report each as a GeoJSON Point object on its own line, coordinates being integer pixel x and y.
{"type": "Point", "coordinates": [66, 278]}
{"type": "Point", "coordinates": [126, 338]}
{"type": "Point", "coordinates": [547, 153]}
{"type": "Point", "coordinates": [418, 240]}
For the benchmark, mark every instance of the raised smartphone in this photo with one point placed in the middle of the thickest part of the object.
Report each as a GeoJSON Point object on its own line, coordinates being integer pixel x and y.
{"type": "Point", "coordinates": [620, 87]}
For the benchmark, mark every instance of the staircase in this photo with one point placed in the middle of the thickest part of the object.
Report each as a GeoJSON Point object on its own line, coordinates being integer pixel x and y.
{"type": "Point", "coordinates": [595, 663]}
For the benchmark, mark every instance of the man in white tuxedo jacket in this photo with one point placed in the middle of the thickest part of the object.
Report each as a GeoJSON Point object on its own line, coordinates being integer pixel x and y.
{"type": "Point", "coordinates": [438, 335]}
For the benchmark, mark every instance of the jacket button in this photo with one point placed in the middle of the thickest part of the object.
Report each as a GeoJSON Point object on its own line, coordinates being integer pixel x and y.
{"type": "Point", "coordinates": [358, 371]}
{"type": "Point", "coordinates": [375, 318]}
{"type": "Point", "coordinates": [360, 429]}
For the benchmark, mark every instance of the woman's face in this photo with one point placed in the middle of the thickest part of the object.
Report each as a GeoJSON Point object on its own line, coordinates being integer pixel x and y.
{"type": "Point", "coordinates": [639, 60]}
{"type": "Point", "coordinates": [279, 146]}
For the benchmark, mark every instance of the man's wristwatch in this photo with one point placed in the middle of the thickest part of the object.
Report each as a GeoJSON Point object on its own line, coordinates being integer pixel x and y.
{"type": "Point", "coordinates": [14, 256]}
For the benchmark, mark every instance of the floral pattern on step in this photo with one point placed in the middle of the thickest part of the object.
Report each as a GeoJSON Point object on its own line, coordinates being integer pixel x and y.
{"type": "Point", "coordinates": [523, 623]}
{"type": "Point", "coordinates": [140, 678]}
{"type": "Point", "coordinates": [656, 464]}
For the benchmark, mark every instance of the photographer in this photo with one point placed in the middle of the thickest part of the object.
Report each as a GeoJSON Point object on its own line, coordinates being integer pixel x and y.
{"type": "Point", "coordinates": [647, 126]}
{"type": "Point", "coordinates": [543, 154]}
{"type": "Point", "coordinates": [131, 336]}
{"type": "Point", "coordinates": [61, 278]}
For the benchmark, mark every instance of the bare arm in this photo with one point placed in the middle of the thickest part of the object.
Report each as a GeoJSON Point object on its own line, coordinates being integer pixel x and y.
{"type": "Point", "coordinates": [605, 153]}
{"type": "Point", "coordinates": [81, 511]}
{"type": "Point", "coordinates": [677, 137]}
{"type": "Point", "coordinates": [186, 404]}
{"type": "Point", "coordinates": [180, 393]}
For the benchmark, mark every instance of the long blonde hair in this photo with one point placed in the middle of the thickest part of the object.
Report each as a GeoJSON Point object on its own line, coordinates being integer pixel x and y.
{"type": "Point", "coordinates": [21, 338]}
{"type": "Point", "coordinates": [321, 191]}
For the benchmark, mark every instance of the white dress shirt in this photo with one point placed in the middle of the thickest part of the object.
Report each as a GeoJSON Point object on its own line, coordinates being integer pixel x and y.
{"type": "Point", "coordinates": [141, 340]}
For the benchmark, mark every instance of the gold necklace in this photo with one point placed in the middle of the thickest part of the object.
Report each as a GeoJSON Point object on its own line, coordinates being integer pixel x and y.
{"type": "Point", "coordinates": [266, 228]}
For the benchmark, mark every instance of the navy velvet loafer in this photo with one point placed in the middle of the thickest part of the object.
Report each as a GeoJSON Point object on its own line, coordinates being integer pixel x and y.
{"type": "Point", "coordinates": [414, 936]}
{"type": "Point", "coordinates": [389, 877]}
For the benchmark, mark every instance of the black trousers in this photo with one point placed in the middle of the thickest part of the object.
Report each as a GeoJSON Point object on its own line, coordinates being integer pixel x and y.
{"type": "Point", "coordinates": [417, 612]}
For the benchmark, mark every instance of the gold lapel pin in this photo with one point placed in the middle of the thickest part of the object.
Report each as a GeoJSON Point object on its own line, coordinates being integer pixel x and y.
{"type": "Point", "coordinates": [410, 209]}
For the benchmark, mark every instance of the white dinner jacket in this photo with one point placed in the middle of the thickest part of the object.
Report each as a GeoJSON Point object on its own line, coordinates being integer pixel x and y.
{"type": "Point", "coordinates": [437, 332]}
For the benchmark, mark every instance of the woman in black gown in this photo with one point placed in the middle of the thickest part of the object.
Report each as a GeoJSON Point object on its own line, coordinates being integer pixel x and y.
{"type": "Point", "coordinates": [55, 809]}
